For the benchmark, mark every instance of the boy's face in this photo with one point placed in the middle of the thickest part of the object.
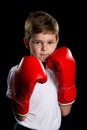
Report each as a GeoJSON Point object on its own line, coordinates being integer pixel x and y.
{"type": "Point", "coordinates": [42, 45]}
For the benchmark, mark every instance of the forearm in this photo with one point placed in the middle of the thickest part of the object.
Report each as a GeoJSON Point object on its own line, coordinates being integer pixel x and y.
{"type": "Point", "coordinates": [65, 109]}
{"type": "Point", "coordinates": [20, 117]}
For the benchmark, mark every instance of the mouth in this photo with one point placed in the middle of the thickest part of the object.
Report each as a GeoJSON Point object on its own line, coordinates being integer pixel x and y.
{"type": "Point", "coordinates": [44, 55]}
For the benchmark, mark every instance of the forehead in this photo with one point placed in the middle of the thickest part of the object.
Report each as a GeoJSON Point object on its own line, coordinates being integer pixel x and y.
{"type": "Point", "coordinates": [44, 36]}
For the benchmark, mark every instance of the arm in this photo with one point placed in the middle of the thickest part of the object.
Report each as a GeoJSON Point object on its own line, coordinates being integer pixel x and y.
{"type": "Point", "coordinates": [64, 67]}
{"type": "Point", "coordinates": [65, 109]}
{"type": "Point", "coordinates": [29, 71]}
{"type": "Point", "coordinates": [9, 93]}
{"type": "Point", "coordinates": [20, 117]}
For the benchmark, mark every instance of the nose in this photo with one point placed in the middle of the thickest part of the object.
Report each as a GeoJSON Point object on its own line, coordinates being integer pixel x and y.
{"type": "Point", "coordinates": [44, 46]}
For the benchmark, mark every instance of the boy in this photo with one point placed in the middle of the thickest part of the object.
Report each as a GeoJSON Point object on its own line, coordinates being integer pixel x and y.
{"type": "Point", "coordinates": [34, 86]}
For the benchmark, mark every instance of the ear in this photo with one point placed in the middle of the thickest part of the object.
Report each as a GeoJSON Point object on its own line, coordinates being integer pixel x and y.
{"type": "Point", "coordinates": [57, 40]}
{"type": "Point", "coordinates": [26, 42]}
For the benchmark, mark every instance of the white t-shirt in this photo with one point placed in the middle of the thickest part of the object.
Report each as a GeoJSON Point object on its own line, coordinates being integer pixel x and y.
{"type": "Point", "coordinates": [44, 112]}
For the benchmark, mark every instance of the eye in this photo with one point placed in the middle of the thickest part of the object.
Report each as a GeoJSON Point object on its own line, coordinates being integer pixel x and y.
{"type": "Point", "coordinates": [51, 42]}
{"type": "Point", "coordinates": [36, 42]}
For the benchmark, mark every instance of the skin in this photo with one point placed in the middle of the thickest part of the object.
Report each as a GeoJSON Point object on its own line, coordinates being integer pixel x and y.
{"type": "Point", "coordinates": [42, 45]}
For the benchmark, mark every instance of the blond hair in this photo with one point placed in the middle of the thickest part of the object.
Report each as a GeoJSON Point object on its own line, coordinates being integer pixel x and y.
{"type": "Point", "coordinates": [40, 22]}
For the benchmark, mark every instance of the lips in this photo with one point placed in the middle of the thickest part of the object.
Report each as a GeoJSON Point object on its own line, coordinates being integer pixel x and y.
{"type": "Point", "coordinates": [44, 55]}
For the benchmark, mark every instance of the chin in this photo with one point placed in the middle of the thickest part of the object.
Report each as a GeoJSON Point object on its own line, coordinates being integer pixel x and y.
{"type": "Point", "coordinates": [43, 60]}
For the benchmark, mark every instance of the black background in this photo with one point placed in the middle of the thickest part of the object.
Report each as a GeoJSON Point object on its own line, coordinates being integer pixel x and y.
{"type": "Point", "coordinates": [72, 18]}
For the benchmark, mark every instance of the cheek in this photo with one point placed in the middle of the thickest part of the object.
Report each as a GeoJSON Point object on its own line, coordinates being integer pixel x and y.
{"type": "Point", "coordinates": [34, 51]}
{"type": "Point", "coordinates": [52, 49]}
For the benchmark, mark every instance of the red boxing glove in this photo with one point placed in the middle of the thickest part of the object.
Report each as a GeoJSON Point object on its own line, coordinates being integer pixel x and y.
{"type": "Point", "coordinates": [29, 71]}
{"type": "Point", "coordinates": [64, 66]}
